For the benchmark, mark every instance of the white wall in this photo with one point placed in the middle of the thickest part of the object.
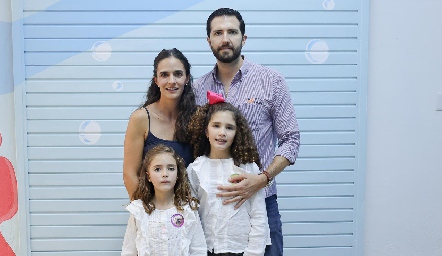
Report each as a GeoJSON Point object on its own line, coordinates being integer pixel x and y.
{"type": "Point", "coordinates": [403, 214]}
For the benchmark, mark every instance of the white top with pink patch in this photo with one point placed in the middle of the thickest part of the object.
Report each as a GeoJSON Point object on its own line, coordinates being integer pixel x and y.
{"type": "Point", "coordinates": [163, 232]}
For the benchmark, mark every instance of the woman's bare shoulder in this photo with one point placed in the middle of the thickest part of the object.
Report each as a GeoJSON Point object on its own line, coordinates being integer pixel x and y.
{"type": "Point", "coordinates": [139, 115]}
{"type": "Point", "coordinates": [139, 121]}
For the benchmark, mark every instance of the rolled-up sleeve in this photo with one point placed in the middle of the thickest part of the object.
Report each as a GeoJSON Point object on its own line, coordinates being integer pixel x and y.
{"type": "Point", "coordinates": [284, 121]}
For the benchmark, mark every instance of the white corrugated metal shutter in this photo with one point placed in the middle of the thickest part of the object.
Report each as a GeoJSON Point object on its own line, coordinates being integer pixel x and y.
{"type": "Point", "coordinates": [87, 67]}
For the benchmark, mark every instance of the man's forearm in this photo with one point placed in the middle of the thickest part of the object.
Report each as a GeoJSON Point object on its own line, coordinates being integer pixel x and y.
{"type": "Point", "coordinates": [278, 164]}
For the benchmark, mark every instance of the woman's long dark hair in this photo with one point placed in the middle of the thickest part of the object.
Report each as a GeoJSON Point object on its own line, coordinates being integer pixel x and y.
{"type": "Point", "coordinates": [187, 105]}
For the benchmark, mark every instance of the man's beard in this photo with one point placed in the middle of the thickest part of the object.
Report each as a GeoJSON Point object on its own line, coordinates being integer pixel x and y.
{"type": "Point", "coordinates": [226, 58]}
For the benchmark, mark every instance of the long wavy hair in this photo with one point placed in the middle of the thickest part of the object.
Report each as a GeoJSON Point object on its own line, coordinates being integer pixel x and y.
{"type": "Point", "coordinates": [186, 105]}
{"type": "Point", "coordinates": [243, 149]}
{"type": "Point", "coordinates": [146, 192]}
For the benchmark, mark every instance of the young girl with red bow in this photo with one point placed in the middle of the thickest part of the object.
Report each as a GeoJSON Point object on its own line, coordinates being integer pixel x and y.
{"type": "Point", "coordinates": [224, 146]}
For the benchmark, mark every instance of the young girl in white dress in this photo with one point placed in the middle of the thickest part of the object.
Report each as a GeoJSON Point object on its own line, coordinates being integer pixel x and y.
{"type": "Point", "coordinates": [224, 146]}
{"type": "Point", "coordinates": [163, 215]}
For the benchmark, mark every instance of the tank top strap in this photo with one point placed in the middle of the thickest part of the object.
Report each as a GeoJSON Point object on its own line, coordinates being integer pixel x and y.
{"type": "Point", "coordinates": [148, 116]}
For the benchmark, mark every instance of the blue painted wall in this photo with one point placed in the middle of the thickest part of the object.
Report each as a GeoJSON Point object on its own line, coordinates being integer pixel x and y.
{"type": "Point", "coordinates": [87, 66]}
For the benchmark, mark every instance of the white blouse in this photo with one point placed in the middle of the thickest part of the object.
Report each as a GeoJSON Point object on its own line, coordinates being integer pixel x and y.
{"type": "Point", "coordinates": [227, 230]}
{"type": "Point", "coordinates": [163, 232]}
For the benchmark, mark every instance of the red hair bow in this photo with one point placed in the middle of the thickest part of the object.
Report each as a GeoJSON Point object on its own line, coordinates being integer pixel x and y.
{"type": "Point", "coordinates": [214, 97]}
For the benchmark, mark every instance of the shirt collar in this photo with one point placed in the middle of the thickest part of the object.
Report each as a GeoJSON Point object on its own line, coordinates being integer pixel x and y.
{"type": "Point", "coordinates": [242, 71]}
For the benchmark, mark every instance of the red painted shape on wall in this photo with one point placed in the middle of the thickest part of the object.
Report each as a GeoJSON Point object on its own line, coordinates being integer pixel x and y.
{"type": "Point", "coordinates": [8, 190]}
{"type": "Point", "coordinates": [5, 249]}
{"type": "Point", "coordinates": [9, 200]}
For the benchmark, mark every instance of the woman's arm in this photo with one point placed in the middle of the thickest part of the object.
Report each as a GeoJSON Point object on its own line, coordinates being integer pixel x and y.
{"type": "Point", "coordinates": [136, 131]}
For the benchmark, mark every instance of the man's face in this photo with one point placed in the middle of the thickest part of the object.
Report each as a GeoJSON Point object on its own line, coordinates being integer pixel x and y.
{"type": "Point", "coordinates": [225, 38]}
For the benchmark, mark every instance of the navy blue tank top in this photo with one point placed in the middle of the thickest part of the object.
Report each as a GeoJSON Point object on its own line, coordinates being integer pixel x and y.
{"type": "Point", "coordinates": [183, 149]}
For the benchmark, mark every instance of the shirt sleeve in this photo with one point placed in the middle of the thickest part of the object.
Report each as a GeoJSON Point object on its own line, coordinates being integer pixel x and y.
{"type": "Point", "coordinates": [193, 180]}
{"type": "Point", "coordinates": [284, 121]}
{"type": "Point", "coordinates": [260, 231]}
{"type": "Point", "coordinates": [129, 243]}
{"type": "Point", "coordinates": [198, 244]}
{"type": "Point", "coordinates": [200, 91]}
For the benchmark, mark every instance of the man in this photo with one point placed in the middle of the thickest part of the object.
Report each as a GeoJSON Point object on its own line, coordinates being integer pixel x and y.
{"type": "Point", "coordinates": [263, 97]}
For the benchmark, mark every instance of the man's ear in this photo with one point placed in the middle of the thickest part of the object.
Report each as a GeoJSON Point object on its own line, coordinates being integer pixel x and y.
{"type": "Point", "coordinates": [208, 40]}
{"type": "Point", "coordinates": [244, 38]}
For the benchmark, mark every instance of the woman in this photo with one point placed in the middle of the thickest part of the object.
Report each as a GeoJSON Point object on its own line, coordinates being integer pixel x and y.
{"type": "Point", "coordinates": [163, 118]}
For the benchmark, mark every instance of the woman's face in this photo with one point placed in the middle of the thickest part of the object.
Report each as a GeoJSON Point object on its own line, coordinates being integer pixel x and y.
{"type": "Point", "coordinates": [171, 78]}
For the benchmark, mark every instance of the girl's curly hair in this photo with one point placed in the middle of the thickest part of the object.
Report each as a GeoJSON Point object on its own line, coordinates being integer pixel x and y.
{"type": "Point", "coordinates": [243, 149]}
{"type": "Point", "coordinates": [187, 105]}
{"type": "Point", "coordinates": [146, 192]}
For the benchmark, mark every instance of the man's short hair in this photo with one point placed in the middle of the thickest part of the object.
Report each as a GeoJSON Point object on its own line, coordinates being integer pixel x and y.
{"type": "Point", "coordinates": [226, 12]}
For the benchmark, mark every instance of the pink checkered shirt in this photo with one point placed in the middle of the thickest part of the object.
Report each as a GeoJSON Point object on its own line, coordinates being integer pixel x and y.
{"type": "Point", "coordinates": [264, 99]}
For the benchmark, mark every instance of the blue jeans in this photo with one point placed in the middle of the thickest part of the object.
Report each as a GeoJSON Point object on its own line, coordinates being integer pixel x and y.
{"type": "Point", "coordinates": [275, 226]}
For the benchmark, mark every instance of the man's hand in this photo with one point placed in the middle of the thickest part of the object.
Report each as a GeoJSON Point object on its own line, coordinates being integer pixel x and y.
{"type": "Point", "coordinates": [244, 186]}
